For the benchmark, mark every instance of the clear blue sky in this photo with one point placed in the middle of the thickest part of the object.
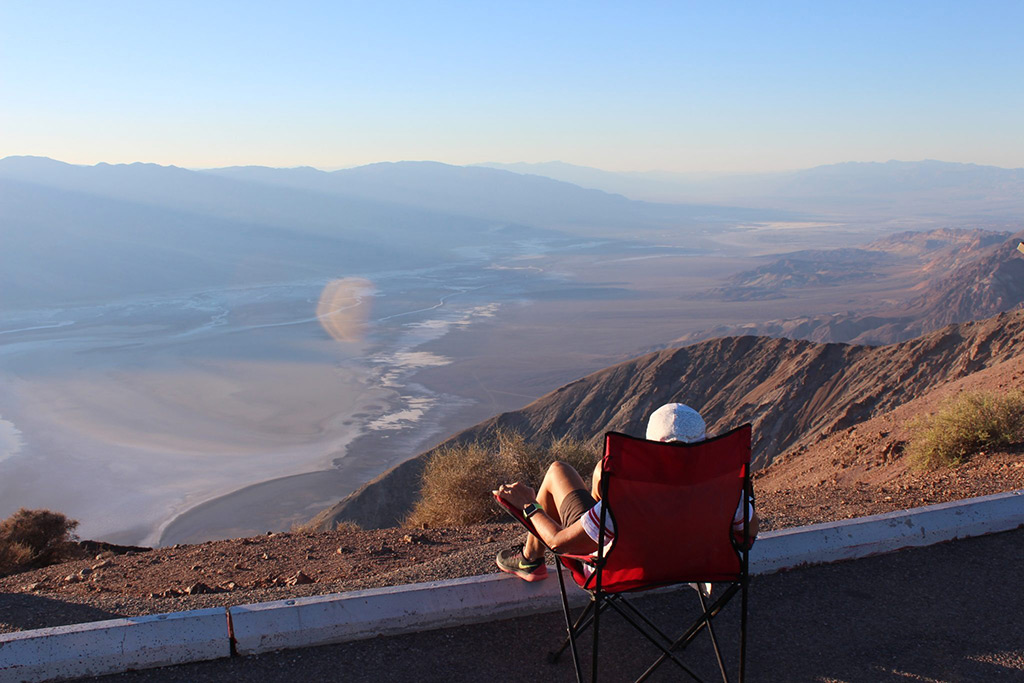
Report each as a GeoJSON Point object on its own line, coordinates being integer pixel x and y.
{"type": "Point", "coordinates": [737, 86]}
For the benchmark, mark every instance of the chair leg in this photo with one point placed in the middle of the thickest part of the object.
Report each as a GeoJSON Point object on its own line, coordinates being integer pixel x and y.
{"type": "Point", "coordinates": [682, 641]}
{"type": "Point", "coordinates": [597, 616]}
{"type": "Point", "coordinates": [582, 622]}
{"type": "Point", "coordinates": [647, 621]}
{"type": "Point", "coordinates": [743, 629]}
{"type": "Point", "coordinates": [568, 624]}
{"type": "Point", "coordinates": [666, 653]}
{"type": "Point", "coordinates": [711, 632]}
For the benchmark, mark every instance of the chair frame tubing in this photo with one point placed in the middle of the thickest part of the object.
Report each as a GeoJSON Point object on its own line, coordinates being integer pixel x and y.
{"type": "Point", "coordinates": [599, 601]}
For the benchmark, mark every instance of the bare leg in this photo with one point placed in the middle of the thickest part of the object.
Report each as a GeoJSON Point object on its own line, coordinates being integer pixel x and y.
{"type": "Point", "coordinates": [559, 480]}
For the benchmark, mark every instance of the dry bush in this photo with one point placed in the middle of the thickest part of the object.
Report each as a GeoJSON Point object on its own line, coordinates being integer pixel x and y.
{"type": "Point", "coordinates": [456, 488]}
{"type": "Point", "coordinates": [966, 425]}
{"type": "Point", "coordinates": [34, 538]}
{"type": "Point", "coordinates": [458, 480]}
{"type": "Point", "coordinates": [574, 452]}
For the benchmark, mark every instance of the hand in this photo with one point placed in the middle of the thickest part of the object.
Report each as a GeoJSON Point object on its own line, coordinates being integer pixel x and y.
{"type": "Point", "coordinates": [518, 495]}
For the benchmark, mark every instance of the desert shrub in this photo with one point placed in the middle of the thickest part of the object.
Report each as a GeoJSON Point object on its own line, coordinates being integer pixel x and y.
{"type": "Point", "coordinates": [966, 425]}
{"type": "Point", "coordinates": [458, 480]}
{"type": "Point", "coordinates": [347, 527]}
{"type": "Point", "coordinates": [574, 452]}
{"type": "Point", "coordinates": [34, 538]}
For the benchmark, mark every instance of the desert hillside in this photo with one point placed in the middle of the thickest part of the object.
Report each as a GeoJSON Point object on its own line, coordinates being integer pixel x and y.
{"type": "Point", "coordinates": [956, 276]}
{"type": "Point", "coordinates": [862, 470]}
{"type": "Point", "coordinates": [794, 392]}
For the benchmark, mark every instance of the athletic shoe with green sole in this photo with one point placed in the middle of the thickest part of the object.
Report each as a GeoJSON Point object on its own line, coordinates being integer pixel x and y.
{"type": "Point", "coordinates": [512, 561]}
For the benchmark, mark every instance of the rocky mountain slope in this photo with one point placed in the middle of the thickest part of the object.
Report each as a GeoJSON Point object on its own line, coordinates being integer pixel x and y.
{"type": "Point", "coordinates": [793, 391]}
{"type": "Point", "coordinates": [964, 275]}
{"type": "Point", "coordinates": [861, 470]}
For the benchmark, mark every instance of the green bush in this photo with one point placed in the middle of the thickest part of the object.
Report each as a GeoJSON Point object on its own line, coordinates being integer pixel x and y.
{"type": "Point", "coordinates": [966, 425]}
{"type": "Point", "coordinates": [34, 538]}
{"type": "Point", "coordinates": [458, 480]}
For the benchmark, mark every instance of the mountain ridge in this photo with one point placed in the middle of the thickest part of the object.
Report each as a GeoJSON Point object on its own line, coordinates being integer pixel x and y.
{"type": "Point", "coordinates": [971, 278]}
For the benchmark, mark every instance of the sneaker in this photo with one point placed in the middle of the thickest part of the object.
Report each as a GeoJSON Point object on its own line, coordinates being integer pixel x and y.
{"type": "Point", "coordinates": [512, 561]}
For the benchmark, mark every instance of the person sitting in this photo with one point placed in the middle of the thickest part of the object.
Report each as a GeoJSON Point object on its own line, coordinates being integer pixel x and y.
{"type": "Point", "coordinates": [567, 516]}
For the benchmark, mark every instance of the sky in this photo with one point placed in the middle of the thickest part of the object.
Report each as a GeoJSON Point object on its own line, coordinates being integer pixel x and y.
{"type": "Point", "coordinates": [675, 86]}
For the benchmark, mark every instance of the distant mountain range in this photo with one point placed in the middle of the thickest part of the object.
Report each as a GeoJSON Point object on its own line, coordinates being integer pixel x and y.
{"type": "Point", "coordinates": [499, 195]}
{"type": "Point", "coordinates": [924, 188]}
{"type": "Point", "coordinates": [793, 391]}
{"type": "Point", "coordinates": [83, 233]}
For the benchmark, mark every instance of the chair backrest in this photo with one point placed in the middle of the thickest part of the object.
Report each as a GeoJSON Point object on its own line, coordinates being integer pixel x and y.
{"type": "Point", "coordinates": [672, 505]}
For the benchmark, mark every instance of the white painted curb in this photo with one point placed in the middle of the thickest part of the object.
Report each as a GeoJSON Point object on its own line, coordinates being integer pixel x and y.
{"type": "Point", "coordinates": [319, 620]}
{"type": "Point", "coordinates": [106, 647]}
{"type": "Point", "coordinates": [160, 640]}
{"type": "Point", "coordinates": [865, 536]}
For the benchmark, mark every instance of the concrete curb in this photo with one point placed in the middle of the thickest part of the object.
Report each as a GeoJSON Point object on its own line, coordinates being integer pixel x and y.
{"type": "Point", "coordinates": [106, 647]}
{"type": "Point", "coordinates": [160, 640]}
{"type": "Point", "coordinates": [319, 620]}
{"type": "Point", "coordinates": [865, 536]}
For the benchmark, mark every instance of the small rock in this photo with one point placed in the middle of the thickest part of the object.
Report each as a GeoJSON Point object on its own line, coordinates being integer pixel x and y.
{"type": "Point", "coordinates": [33, 586]}
{"type": "Point", "coordinates": [72, 578]}
{"type": "Point", "coordinates": [342, 550]}
{"type": "Point", "coordinates": [310, 556]}
{"type": "Point", "coordinates": [198, 588]}
{"type": "Point", "coordinates": [239, 566]}
{"type": "Point", "coordinates": [264, 556]}
{"type": "Point", "coordinates": [195, 567]}
{"type": "Point", "coordinates": [84, 572]}
{"type": "Point", "coordinates": [101, 565]}
{"type": "Point", "coordinates": [489, 539]}
{"type": "Point", "coordinates": [299, 579]}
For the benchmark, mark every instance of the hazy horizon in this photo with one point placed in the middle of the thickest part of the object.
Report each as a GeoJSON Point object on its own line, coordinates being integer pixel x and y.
{"type": "Point", "coordinates": [678, 87]}
{"type": "Point", "coordinates": [520, 163]}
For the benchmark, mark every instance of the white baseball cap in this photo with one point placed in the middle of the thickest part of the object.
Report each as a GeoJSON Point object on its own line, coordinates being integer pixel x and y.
{"type": "Point", "coordinates": [676, 422]}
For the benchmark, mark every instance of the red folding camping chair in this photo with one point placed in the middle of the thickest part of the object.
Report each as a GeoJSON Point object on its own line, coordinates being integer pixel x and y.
{"type": "Point", "coordinates": [672, 508]}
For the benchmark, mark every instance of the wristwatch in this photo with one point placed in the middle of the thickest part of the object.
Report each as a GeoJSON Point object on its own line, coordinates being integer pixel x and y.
{"type": "Point", "coordinates": [531, 509]}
